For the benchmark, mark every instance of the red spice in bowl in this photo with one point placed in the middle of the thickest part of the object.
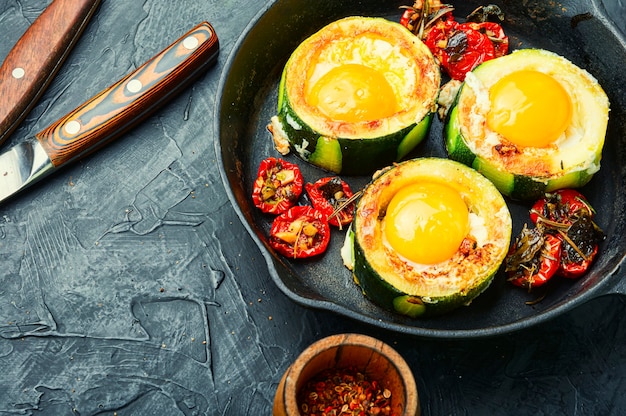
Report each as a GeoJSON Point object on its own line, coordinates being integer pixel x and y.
{"type": "Point", "coordinates": [344, 391]}
{"type": "Point", "coordinates": [347, 372]}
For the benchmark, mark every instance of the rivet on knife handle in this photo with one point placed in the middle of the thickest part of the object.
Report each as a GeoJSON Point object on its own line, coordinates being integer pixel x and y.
{"type": "Point", "coordinates": [36, 57]}
{"type": "Point", "coordinates": [124, 104]}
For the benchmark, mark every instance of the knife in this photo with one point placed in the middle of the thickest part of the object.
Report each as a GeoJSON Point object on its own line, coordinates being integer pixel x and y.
{"type": "Point", "coordinates": [110, 113]}
{"type": "Point", "coordinates": [37, 56]}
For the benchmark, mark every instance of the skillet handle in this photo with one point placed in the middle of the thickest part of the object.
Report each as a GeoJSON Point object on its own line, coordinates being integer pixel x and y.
{"type": "Point", "coordinates": [121, 106]}
{"type": "Point", "coordinates": [37, 56]}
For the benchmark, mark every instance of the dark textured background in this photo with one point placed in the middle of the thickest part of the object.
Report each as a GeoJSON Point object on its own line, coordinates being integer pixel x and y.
{"type": "Point", "coordinates": [129, 286]}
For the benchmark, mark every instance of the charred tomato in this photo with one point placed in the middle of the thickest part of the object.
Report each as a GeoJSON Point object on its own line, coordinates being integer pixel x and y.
{"type": "Point", "coordinates": [332, 196]}
{"type": "Point", "coordinates": [561, 206]}
{"type": "Point", "coordinates": [533, 259]}
{"type": "Point", "coordinates": [300, 232]}
{"type": "Point", "coordinates": [567, 214]}
{"type": "Point", "coordinates": [459, 47]}
{"type": "Point", "coordinates": [278, 185]}
{"type": "Point", "coordinates": [580, 246]}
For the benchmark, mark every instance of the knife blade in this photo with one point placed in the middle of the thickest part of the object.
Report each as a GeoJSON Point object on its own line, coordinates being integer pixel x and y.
{"type": "Point", "coordinates": [109, 113]}
{"type": "Point", "coordinates": [37, 56]}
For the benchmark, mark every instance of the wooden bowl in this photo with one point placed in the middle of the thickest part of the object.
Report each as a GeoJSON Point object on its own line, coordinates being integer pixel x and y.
{"type": "Point", "coordinates": [375, 359]}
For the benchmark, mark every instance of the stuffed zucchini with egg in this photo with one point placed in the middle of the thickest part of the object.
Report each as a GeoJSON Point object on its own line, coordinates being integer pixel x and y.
{"type": "Point", "coordinates": [428, 236]}
{"type": "Point", "coordinates": [532, 122]}
{"type": "Point", "coordinates": [356, 96]}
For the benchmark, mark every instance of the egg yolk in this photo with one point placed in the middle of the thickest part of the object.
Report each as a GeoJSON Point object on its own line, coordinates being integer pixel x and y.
{"type": "Point", "coordinates": [353, 93]}
{"type": "Point", "coordinates": [529, 108]}
{"type": "Point", "coordinates": [426, 222]}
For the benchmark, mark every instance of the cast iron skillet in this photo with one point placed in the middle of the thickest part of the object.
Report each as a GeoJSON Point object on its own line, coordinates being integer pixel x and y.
{"type": "Point", "coordinates": [578, 30]}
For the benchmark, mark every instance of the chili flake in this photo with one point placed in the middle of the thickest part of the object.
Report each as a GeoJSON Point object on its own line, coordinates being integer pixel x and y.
{"type": "Point", "coordinates": [344, 391]}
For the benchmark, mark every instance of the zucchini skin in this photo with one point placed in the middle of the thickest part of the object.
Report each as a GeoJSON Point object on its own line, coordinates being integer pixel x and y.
{"type": "Point", "coordinates": [349, 156]}
{"type": "Point", "coordinates": [518, 187]}
{"type": "Point", "coordinates": [388, 297]}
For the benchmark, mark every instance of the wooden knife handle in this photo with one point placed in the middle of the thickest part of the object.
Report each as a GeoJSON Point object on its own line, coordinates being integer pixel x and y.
{"type": "Point", "coordinates": [37, 56]}
{"type": "Point", "coordinates": [121, 106]}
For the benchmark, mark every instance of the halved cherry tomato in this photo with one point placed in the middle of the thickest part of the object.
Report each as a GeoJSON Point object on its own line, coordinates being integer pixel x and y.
{"type": "Point", "coordinates": [465, 49]}
{"type": "Point", "coordinates": [460, 47]}
{"type": "Point", "coordinates": [561, 206]}
{"type": "Point", "coordinates": [300, 232]}
{"type": "Point", "coordinates": [567, 214]}
{"type": "Point", "coordinates": [327, 195]}
{"type": "Point", "coordinates": [436, 37]}
{"type": "Point", "coordinates": [278, 185]}
{"type": "Point", "coordinates": [533, 259]}
{"type": "Point", "coordinates": [494, 33]}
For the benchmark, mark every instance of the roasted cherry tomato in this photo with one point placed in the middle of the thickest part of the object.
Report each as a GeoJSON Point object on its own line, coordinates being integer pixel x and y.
{"type": "Point", "coordinates": [561, 206]}
{"type": "Point", "coordinates": [533, 259]}
{"type": "Point", "coordinates": [465, 50]}
{"type": "Point", "coordinates": [300, 232]}
{"type": "Point", "coordinates": [278, 186]}
{"type": "Point", "coordinates": [328, 195]}
{"type": "Point", "coordinates": [436, 38]}
{"type": "Point", "coordinates": [494, 33]}
{"type": "Point", "coordinates": [567, 214]}
{"type": "Point", "coordinates": [459, 47]}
